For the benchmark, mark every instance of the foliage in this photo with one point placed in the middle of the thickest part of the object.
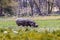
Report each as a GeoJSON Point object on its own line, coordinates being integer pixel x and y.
{"type": "Point", "coordinates": [7, 7]}
{"type": "Point", "coordinates": [9, 34]}
{"type": "Point", "coordinates": [8, 10]}
{"type": "Point", "coordinates": [6, 3]}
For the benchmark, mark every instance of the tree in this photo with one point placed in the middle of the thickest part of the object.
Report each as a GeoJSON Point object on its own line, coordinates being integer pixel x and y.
{"type": "Point", "coordinates": [58, 4]}
{"type": "Point", "coordinates": [37, 4]}
{"type": "Point", "coordinates": [50, 5]}
{"type": "Point", "coordinates": [32, 3]}
{"type": "Point", "coordinates": [6, 6]}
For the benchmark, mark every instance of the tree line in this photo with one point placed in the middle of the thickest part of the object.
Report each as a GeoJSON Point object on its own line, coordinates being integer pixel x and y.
{"type": "Point", "coordinates": [40, 7]}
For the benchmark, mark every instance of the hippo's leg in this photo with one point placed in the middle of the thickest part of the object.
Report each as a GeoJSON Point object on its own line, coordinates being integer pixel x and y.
{"type": "Point", "coordinates": [22, 25]}
{"type": "Point", "coordinates": [29, 25]}
{"type": "Point", "coordinates": [18, 24]}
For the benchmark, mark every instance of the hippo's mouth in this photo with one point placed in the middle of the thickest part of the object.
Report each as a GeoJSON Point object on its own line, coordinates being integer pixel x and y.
{"type": "Point", "coordinates": [36, 25]}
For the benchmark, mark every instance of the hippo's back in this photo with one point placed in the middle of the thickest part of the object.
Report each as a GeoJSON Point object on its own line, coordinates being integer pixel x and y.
{"type": "Point", "coordinates": [23, 19]}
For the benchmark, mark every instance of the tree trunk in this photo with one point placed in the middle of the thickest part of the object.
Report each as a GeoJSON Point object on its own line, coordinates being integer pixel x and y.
{"type": "Point", "coordinates": [31, 5]}
{"type": "Point", "coordinates": [37, 5]}
{"type": "Point", "coordinates": [0, 10]}
{"type": "Point", "coordinates": [50, 6]}
{"type": "Point", "coordinates": [59, 8]}
{"type": "Point", "coordinates": [49, 11]}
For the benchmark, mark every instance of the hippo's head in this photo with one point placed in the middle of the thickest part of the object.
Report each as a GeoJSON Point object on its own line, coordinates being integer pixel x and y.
{"type": "Point", "coordinates": [36, 25]}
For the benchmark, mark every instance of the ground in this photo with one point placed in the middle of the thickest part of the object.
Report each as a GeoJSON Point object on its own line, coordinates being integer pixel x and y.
{"type": "Point", "coordinates": [47, 21]}
{"type": "Point", "coordinates": [49, 29]}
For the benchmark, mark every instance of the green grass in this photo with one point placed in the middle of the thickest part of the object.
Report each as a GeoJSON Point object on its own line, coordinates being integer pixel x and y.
{"type": "Point", "coordinates": [48, 23]}
{"type": "Point", "coordinates": [41, 23]}
{"type": "Point", "coordinates": [5, 23]}
{"type": "Point", "coordinates": [28, 35]}
{"type": "Point", "coordinates": [35, 34]}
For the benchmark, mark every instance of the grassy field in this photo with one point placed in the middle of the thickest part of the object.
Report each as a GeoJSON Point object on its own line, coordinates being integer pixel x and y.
{"type": "Point", "coordinates": [10, 31]}
{"type": "Point", "coordinates": [42, 23]}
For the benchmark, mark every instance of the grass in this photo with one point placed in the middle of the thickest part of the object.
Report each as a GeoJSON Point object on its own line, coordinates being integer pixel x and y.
{"type": "Point", "coordinates": [6, 23]}
{"type": "Point", "coordinates": [41, 23]}
{"type": "Point", "coordinates": [9, 34]}
{"type": "Point", "coordinates": [48, 23]}
{"type": "Point", "coordinates": [10, 31]}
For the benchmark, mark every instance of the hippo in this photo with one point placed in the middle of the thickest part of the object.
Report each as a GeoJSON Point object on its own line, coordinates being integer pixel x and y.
{"type": "Point", "coordinates": [25, 22]}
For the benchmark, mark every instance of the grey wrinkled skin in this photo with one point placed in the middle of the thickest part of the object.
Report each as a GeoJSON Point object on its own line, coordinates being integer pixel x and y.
{"type": "Point", "coordinates": [25, 22]}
